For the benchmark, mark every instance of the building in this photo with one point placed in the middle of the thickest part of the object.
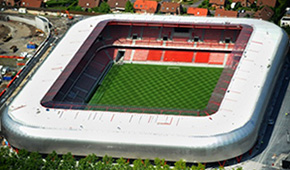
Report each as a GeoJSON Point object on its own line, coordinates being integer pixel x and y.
{"type": "Point", "coordinates": [11, 2]}
{"type": "Point", "coordinates": [32, 3]}
{"type": "Point", "coordinates": [170, 8]}
{"type": "Point", "coordinates": [117, 5]}
{"type": "Point", "coordinates": [217, 3]}
{"type": "Point", "coordinates": [202, 12]}
{"type": "Point", "coordinates": [86, 4]}
{"type": "Point", "coordinates": [244, 3]}
{"type": "Point", "coordinates": [39, 119]}
{"type": "Point", "coordinates": [224, 13]}
{"type": "Point", "coordinates": [270, 3]}
{"type": "Point", "coordinates": [145, 6]}
{"type": "Point", "coordinates": [265, 13]}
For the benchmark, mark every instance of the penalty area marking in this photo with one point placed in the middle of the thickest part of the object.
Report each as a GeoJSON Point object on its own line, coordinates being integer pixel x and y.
{"type": "Point", "coordinates": [173, 68]}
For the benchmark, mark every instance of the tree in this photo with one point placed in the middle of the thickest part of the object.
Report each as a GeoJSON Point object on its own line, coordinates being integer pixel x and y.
{"type": "Point", "coordinates": [52, 161]}
{"type": "Point", "coordinates": [129, 7]}
{"type": "Point", "coordinates": [138, 165]}
{"type": "Point", "coordinates": [8, 160]}
{"type": "Point", "coordinates": [160, 164]}
{"type": "Point", "coordinates": [180, 165]}
{"type": "Point", "coordinates": [104, 8]}
{"type": "Point", "coordinates": [237, 6]}
{"type": "Point", "coordinates": [76, 8]}
{"type": "Point", "coordinates": [204, 4]}
{"type": "Point", "coordinates": [228, 5]}
{"type": "Point", "coordinates": [184, 10]}
{"type": "Point", "coordinates": [95, 9]}
{"type": "Point", "coordinates": [68, 162]}
{"type": "Point", "coordinates": [122, 164]}
{"type": "Point", "coordinates": [105, 164]}
{"type": "Point", "coordinates": [88, 162]}
{"type": "Point", "coordinates": [33, 161]}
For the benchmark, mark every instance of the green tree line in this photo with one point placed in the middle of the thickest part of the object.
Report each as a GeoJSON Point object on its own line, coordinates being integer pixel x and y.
{"type": "Point", "coordinates": [33, 160]}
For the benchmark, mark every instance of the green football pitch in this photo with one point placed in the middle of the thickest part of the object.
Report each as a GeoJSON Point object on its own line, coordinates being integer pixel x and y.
{"type": "Point", "coordinates": [157, 86]}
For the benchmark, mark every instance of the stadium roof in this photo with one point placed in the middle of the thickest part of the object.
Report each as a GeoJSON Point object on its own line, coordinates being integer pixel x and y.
{"type": "Point", "coordinates": [228, 133]}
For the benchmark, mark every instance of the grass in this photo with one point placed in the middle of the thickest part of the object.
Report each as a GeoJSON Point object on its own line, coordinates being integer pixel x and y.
{"type": "Point", "coordinates": [157, 86]}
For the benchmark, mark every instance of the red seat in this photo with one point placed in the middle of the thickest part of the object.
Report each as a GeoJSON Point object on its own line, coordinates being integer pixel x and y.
{"type": "Point", "coordinates": [202, 57]}
{"type": "Point", "coordinates": [154, 55]}
{"type": "Point", "coordinates": [178, 56]}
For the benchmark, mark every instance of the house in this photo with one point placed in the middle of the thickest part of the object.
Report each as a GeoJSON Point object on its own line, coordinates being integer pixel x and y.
{"type": "Point", "coordinates": [145, 6]}
{"type": "Point", "coordinates": [244, 3]}
{"type": "Point", "coordinates": [224, 13]}
{"type": "Point", "coordinates": [32, 3]}
{"type": "Point", "coordinates": [270, 3]}
{"type": "Point", "coordinates": [217, 3]}
{"type": "Point", "coordinates": [117, 5]}
{"type": "Point", "coordinates": [11, 2]}
{"type": "Point", "coordinates": [197, 11]}
{"type": "Point", "coordinates": [89, 3]}
{"type": "Point", "coordinates": [170, 8]}
{"type": "Point", "coordinates": [265, 13]}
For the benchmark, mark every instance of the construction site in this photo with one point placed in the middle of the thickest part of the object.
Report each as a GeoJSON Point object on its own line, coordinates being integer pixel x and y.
{"type": "Point", "coordinates": [18, 43]}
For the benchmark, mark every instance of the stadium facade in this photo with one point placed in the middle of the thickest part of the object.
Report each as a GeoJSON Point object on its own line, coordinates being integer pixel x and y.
{"type": "Point", "coordinates": [50, 112]}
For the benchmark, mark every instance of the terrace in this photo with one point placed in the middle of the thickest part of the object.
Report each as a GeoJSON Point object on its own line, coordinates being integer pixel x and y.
{"type": "Point", "coordinates": [150, 43]}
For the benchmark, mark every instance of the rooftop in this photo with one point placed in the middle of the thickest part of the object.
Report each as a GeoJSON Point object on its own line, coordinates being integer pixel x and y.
{"type": "Point", "coordinates": [224, 13]}
{"type": "Point", "coordinates": [265, 13]}
{"type": "Point", "coordinates": [169, 7]}
{"type": "Point", "coordinates": [31, 3]}
{"type": "Point", "coordinates": [197, 11]}
{"type": "Point", "coordinates": [89, 3]}
{"type": "Point", "coordinates": [270, 3]}
{"type": "Point", "coordinates": [217, 2]}
{"type": "Point", "coordinates": [117, 3]}
{"type": "Point", "coordinates": [146, 6]}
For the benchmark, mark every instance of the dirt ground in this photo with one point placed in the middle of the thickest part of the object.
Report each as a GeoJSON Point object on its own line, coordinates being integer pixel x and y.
{"type": "Point", "coordinates": [22, 34]}
{"type": "Point", "coordinates": [4, 30]}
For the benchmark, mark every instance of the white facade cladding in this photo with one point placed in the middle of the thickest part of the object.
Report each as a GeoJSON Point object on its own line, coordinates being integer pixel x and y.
{"type": "Point", "coordinates": [228, 133]}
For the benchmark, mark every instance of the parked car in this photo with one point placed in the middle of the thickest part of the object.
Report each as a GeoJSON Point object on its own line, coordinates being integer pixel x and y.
{"type": "Point", "coordinates": [5, 70]}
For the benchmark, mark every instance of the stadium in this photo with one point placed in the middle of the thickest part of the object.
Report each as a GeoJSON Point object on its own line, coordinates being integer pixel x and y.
{"type": "Point", "coordinates": [147, 86]}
